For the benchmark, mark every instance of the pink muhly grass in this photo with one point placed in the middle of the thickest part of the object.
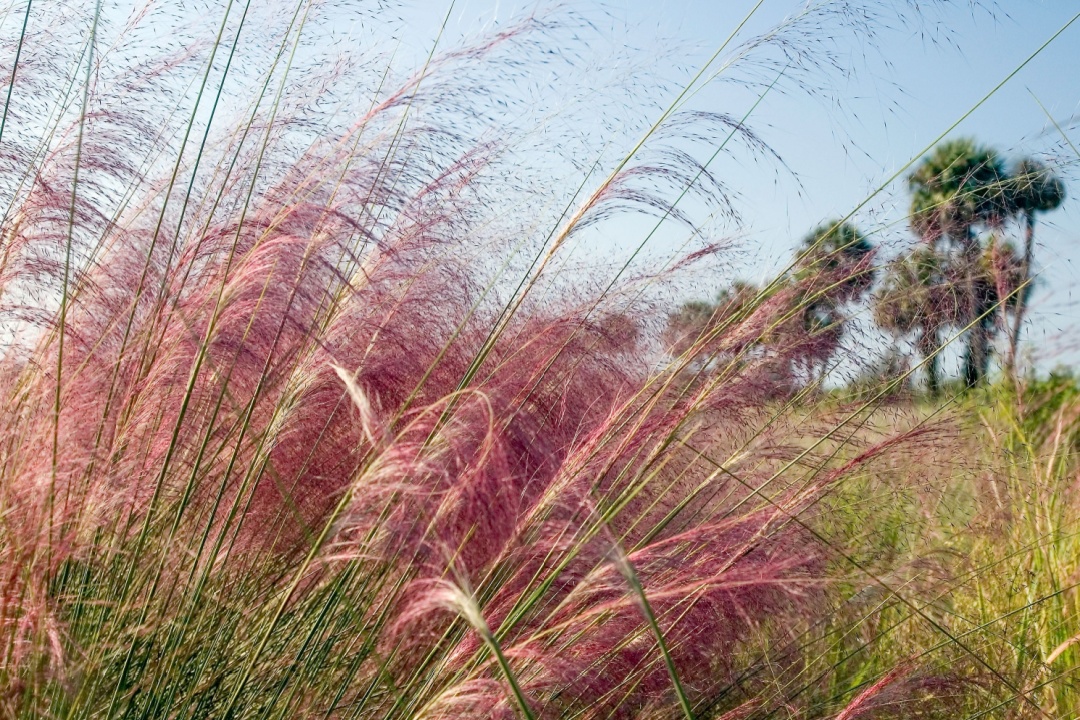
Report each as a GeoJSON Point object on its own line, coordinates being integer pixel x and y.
{"type": "Point", "coordinates": [308, 371]}
{"type": "Point", "coordinates": [900, 687]}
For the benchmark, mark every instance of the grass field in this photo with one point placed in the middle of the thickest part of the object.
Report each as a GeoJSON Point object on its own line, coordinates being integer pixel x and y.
{"type": "Point", "coordinates": [309, 411]}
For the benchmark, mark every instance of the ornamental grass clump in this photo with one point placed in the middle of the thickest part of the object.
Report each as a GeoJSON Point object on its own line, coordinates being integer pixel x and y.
{"type": "Point", "coordinates": [305, 413]}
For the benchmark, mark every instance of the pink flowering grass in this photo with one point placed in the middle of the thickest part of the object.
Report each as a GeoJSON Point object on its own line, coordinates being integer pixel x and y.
{"type": "Point", "coordinates": [304, 416]}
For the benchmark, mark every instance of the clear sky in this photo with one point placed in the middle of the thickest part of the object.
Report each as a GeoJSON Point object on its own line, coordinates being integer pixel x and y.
{"type": "Point", "coordinates": [910, 83]}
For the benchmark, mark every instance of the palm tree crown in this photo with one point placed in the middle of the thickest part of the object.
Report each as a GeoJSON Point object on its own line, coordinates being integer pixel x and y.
{"type": "Point", "coordinates": [959, 185]}
{"type": "Point", "coordinates": [839, 259]}
{"type": "Point", "coordinates": [1035, 188]}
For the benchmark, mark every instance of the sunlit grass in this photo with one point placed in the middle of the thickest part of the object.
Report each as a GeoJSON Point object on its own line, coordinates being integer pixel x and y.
{"type": "Point", "coordinates": [302, 416]}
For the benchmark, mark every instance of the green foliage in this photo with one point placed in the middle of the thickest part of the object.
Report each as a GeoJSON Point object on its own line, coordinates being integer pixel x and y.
{"type": "Point", "coordinates": [1046, 404]}
{"type": "Point", "coordinates": [303, 458]}
{"type": "Point", "coordinates": [959, 185]}
{"type": "Point", "coordinates": [975, 536]}
{"type": "Point", "coordinates": [837, 251]}
{"type": "Point", "coordinates": [803, 312]}
{"type": "Point", "coordinates": [1033, 187]}
{"type": "Point", "coordinates": [912, 298]}
{"type": "Point", "coordinates": [915, 300]}
{"type": "Point", "coordinates": [964, 277]}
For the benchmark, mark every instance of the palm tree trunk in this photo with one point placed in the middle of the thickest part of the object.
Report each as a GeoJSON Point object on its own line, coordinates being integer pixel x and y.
{"type": "Point", "coordinates": [977, 357]}
{"type": "Point", "coordinates": [928, 348]}
{"type": "Point", "coordinates": [1021, 296]}
{"type": "Point", "coordinates": [972, 357]}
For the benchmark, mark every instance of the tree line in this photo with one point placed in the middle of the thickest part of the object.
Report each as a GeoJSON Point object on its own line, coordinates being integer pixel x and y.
{"type": "Point", "coordinates": [965, 276]}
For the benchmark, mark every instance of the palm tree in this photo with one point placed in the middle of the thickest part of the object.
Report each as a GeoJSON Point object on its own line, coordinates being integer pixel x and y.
{"type": "Point", "coordinates": [838, 260]}
{"type": "Point", "coordinates": [695, 325]}
{"type": "Point", "coordinates": [797, 323]}
{"type": "Point", "coordinates": [957, 188]}
{"type": "Point", "coordinates": [814, 334]}
{"type": "Point", "coordinates": [1033, 189]}
{"type": "Point", "coordinates": [915, 300]}
{"type": "Point", "coordinates": [834, 267]}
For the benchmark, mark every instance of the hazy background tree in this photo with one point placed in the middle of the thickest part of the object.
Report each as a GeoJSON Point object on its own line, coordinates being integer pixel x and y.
{"type": "Point", "coordinates": [965, 275]}
{"type": "Point", "coordinates": [803, 315]}
{"type": "Point", "coordinates": [690, 328]}
{"type": "Point", "coordinates": [833, 268]}
{"type": "Point", "coordinates": [1033, 189]}
{"type": "Point", "coordinates": [916, 303]}
{"type": "Point", "coordinates": [957, 190]}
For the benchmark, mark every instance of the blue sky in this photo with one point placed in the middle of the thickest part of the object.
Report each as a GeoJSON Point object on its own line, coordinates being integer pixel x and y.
{"type": "Point", "coordinates": [910, 83]}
